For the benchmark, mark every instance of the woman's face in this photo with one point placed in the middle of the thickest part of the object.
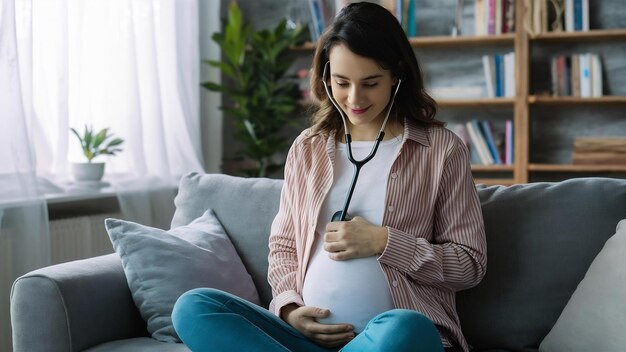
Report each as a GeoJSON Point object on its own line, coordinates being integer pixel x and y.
{"type": "Point", "coordinates": [361, 88]}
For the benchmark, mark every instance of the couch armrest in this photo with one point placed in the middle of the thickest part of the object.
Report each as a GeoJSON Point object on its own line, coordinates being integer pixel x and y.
{"type": "Point", "coordinates": [73, 306]}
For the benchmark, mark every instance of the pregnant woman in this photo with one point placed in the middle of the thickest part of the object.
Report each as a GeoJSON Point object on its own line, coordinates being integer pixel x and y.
{"type": "Point", "coordinates": [379, 222]}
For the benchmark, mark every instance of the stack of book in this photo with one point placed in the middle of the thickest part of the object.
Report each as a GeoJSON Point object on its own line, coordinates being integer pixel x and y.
{"type": "Point", "coordinates": [494, 17]}
{"type": "Point", "coordinates": [599, 151]}
{"type": "Point", "coordinates": [500, 75]}
{"type": "Point", "coordinates": [487, 147]}
{"type": "Point", "coordinates": [577, 75]}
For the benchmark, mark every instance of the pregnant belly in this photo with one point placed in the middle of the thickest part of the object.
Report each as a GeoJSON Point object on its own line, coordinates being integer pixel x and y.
{"type": "Point", "coordinates": [354, 290]}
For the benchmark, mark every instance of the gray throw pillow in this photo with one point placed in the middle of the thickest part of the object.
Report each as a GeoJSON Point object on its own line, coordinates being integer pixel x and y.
{"type": "Point", "coordinates": [161, 265]}
{"type": "Point", "coordinates": [594, 319]}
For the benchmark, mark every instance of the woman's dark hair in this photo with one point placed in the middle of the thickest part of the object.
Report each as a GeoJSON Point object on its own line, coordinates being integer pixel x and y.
{"type": "Point", "coordinates": [371, 31]}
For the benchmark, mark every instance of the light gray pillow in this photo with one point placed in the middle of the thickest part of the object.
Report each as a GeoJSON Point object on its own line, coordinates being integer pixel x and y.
{"type": "Point", "coordinates": [161, 265]}
{"type": "Point", "coordinates": [594, 319]}
{"type": "Point", "coordinates": [245, 207]}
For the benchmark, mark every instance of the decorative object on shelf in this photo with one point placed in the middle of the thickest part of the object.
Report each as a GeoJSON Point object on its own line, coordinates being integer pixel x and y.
{"type": "Point", "coordinates": [559, 10]}
{"type": "Point", "coordinates": [94, 145]}
{"type": "Point", "coordinates": [536, 16]}
{"type": "Point", "coordinates": [263, 95]}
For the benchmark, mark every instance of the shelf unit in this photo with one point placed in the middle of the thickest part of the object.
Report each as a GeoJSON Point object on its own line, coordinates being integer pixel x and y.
{"type": "Point", "coordinates": [521, 43]}
{"type": "Point", "coordinates": [592, 36]}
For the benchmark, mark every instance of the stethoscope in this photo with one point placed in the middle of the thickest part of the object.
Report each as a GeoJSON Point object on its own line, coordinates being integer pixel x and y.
{"type": "Point", "coordinates": [341, 215]}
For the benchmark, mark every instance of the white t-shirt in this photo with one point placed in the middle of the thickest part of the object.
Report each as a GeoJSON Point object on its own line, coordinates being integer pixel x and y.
{"type": "Point", "coordinates": [354, 290]}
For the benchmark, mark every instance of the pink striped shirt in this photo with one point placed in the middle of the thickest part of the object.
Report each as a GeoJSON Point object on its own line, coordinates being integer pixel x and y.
{"type": "Point", "coordinates": [436, 243]}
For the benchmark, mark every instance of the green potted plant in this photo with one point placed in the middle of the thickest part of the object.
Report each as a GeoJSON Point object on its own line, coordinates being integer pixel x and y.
{"type": "Point", "coordinates": [94, 145]}
{"type": "Point", "coordinates": [263, 98]}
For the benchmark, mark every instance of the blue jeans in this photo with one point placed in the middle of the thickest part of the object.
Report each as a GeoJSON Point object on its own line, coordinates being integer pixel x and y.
{"type": "Point", "coordinates": [212, 320]}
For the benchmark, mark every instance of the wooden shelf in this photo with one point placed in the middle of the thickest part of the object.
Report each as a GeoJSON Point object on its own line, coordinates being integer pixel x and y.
{"type": "Point", "coordinates": [495, 181]}
{"type": "Point", "coordinates": [576, 168]}
{"type": "Point", "coordinates": [475, 103]}
{"type": "Point", "coordinates": [592, 35]}
{"type": "Point", "coordinates": [492, 168]}
{"type": "Point", "coordinates": [443, 41]}
{"type": "Point", "coordinates": [548, 100]}
{"type": "Point", "coordinates": [448, 41]}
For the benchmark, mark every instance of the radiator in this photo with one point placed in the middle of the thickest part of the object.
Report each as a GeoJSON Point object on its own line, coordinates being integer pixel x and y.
{"type": "Point", "coordinates": [6, 280]}
{"type": "Point", "coordinates": [70, 239]}
{"type": "Point", "coordinates": [79, 237]}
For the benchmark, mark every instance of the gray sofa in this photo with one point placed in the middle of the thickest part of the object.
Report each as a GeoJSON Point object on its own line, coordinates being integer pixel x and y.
{"type": "Point", "coordinates": [541, 239]}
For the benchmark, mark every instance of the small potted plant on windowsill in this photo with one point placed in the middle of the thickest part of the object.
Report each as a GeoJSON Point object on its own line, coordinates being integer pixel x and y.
{"type": "Point", "coordinates": [93, 145]}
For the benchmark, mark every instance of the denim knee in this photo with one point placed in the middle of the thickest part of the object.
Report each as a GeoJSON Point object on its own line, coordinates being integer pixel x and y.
{"type": "Point", "coordinates": [195, 302]}
{"type": "Point", "coordinates": [409, 320]}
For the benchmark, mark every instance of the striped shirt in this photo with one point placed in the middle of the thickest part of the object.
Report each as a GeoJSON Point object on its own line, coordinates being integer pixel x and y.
{"type": "Point", "coordinates": [436, 243]}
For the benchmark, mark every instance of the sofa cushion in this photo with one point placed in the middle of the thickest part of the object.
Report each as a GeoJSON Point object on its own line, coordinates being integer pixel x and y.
{"type": "Point", "coordinates": [594, 319]}
{"type": "Point", "coordinates": [541, 239]}
{"type": "Point", "coordinates": [246, 208]}
{"type": "Point", "coordinates": [162, 265]}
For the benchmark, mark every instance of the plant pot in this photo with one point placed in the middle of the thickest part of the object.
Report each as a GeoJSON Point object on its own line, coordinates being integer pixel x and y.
{"type": "Point", "coordinates": [87, 172]}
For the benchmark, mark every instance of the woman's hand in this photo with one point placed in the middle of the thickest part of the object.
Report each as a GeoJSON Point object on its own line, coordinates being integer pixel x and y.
{"type": "Point", "coordinates": [356, 238]}
{"type": "Point", "coordinates": [303, 319]}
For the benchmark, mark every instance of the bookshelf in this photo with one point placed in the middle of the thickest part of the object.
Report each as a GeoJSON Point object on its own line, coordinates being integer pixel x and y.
{"type": "Point", "coordinates": [531, 107]}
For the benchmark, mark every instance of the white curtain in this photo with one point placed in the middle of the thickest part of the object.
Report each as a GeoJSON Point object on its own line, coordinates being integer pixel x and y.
{"type": "Point", "coordinates": [129, 65]}
{"type": "Point", "coordinates": [24, 236]}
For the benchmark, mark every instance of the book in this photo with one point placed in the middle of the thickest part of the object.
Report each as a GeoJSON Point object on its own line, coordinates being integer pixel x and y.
{"type": "Point", "coordinates": [585, 75]}
{"type": "Point", "coordinates": [596, 76]}
{"type": "Point", "coordinates": [499, 76]}
{"type": "Point", "coordinates": [508, 142]}
{"type": "Point", "coordinates": [477, 143]}
{"type": "Point", "coordinates": [509, 75]}
{"type": "Point", "coordinates": [461, 131]}
{"type": "Point", "coordinates": [489, 69]}
{"type": "Point", "coordinates": [578, 15]}
{"type": "Point", "coordinates": [575, 75]}
{"type": "Point", "coordinates": [497, 30]}
{"type": "Point", "coordinates": [479, 17]}
{"type": "Point", "coordinates": [491, 19]}
{"type": "Point", "coordinates": [491, 142]}
{"type": "Point", "coordinates": [569, 15]}
{"type": "Point", "coordinates": [510, 16]}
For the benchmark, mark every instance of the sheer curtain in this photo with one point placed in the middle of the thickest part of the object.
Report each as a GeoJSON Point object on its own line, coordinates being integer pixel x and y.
{"type": "Point", "coordinates": [24, 236]}
{"type": "Point", "coordinates": [129, 65]}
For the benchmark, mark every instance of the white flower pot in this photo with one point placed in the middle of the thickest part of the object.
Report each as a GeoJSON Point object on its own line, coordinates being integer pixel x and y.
{"type": "Point", "coordinates": [90, 172]}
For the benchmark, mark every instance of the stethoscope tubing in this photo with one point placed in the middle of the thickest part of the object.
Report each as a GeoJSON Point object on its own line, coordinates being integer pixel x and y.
{"type": "Point", "coordinates": [358, 164]}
